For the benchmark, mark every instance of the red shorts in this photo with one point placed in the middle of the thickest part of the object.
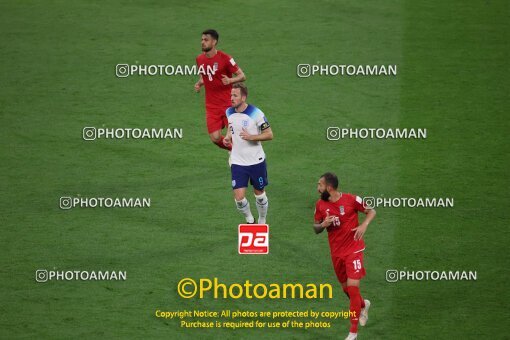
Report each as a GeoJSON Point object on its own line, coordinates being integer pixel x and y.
{"type": "Point", "coordinates": [216, 118]}
{"type": "Point", "coordinates": [350, 266]}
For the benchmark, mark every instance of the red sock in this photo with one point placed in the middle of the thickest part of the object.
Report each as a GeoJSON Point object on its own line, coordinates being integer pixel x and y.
{"type": "Point", "coordinates": [346, 291]}
{"type": "Point", "coordinates": [355, 307]}
{"type": "Point", "coordinates": [221, 145]}
{"type": "Point", "coordinates": [361, 298]}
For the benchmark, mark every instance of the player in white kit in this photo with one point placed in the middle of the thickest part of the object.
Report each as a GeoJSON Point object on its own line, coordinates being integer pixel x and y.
{"type": "Point", "coordinates": [247, 128]}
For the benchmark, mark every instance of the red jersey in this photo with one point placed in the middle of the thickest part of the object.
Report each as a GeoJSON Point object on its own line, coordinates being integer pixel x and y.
{"type": "Point", "coordinates": [217, 95]}
{"type": "Point", "coordinates": [340, 235]}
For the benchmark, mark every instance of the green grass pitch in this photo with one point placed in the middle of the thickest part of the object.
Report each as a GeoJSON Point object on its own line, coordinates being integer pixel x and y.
{"type": "Point", "coordinates": [57, 76]}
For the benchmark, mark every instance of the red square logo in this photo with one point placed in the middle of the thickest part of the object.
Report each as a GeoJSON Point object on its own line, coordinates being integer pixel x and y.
{"type": "Point", "coordinates": [253, 239]}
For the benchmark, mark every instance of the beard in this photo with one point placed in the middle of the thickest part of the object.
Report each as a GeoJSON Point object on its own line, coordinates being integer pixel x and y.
{"type": "Point", "coordinates": [206, 49]}
{"type": "Point", "coordinates": [325, 195]}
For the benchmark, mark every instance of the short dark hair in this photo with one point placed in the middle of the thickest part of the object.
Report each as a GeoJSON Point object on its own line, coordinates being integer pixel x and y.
{"type": "Point", "coordinates": [242, 87]}
{"type": "Point", "coordinates": [212, 33]}
{"type": "Point", "coordinates": [331, 179]}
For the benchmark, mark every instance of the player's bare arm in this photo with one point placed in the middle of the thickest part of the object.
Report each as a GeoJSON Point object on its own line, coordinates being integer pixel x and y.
{"type": "Point", "coordinates": [227, 141]}
{"type": "Point", "coordinates": [319, 226]}
{"type": "Point", "coordinates": [236, 78]}
{"type": "Point", "coordinates": [266, 134]}
{"type": "Point", "coordinates": [362, 228]}
{"type": "Point", "coordinates": [199, 84]}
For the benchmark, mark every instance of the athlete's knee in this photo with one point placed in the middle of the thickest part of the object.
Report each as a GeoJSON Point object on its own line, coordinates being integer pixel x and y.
{"type": "Point", "coordinates": [258, 192]}
{"type": "Point", "coordinates": [346, 291]}
{"type": "Point", "coordinates": [353, 282]}
{"type": "Point", "coordinates": [239, 196]}
{"type": "Point", "coordinates": [241, 201]}
{"type": "Point", "coordinates": [215, 137]}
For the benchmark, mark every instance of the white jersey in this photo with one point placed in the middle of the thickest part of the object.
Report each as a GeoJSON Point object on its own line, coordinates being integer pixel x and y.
{"type": "Point", "coordinates": [246, 152]}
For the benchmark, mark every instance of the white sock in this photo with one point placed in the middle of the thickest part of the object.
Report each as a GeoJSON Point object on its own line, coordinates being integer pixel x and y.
{"type": "Point", "coordinates": [244, 207]}
{"type": "Point", "coordinates": [262, 204]}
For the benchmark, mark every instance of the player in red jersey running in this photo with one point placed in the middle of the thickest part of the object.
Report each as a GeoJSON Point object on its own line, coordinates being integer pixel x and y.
{"type": "Point", "coordinates": [221, 71]}
{"type": "Point", "coordinates": [338, 213]}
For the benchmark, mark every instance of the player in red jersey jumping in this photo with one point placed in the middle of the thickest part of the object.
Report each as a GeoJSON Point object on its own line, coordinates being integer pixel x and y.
{"type": "Point", "coordinates": [338, 213]}
{"type": "Point", "coordinates": [221, 71]}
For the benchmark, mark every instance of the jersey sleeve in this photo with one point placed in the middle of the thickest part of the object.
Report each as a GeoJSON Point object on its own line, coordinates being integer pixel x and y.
{"type": "Point", "coordinates": [318, 214]}
{"type": "Point", "coordinates": [261, 121]}
{"type": "Point", "coordinates": [359, 205]}
{"type": "Point", "coordinates": [231, 64]}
